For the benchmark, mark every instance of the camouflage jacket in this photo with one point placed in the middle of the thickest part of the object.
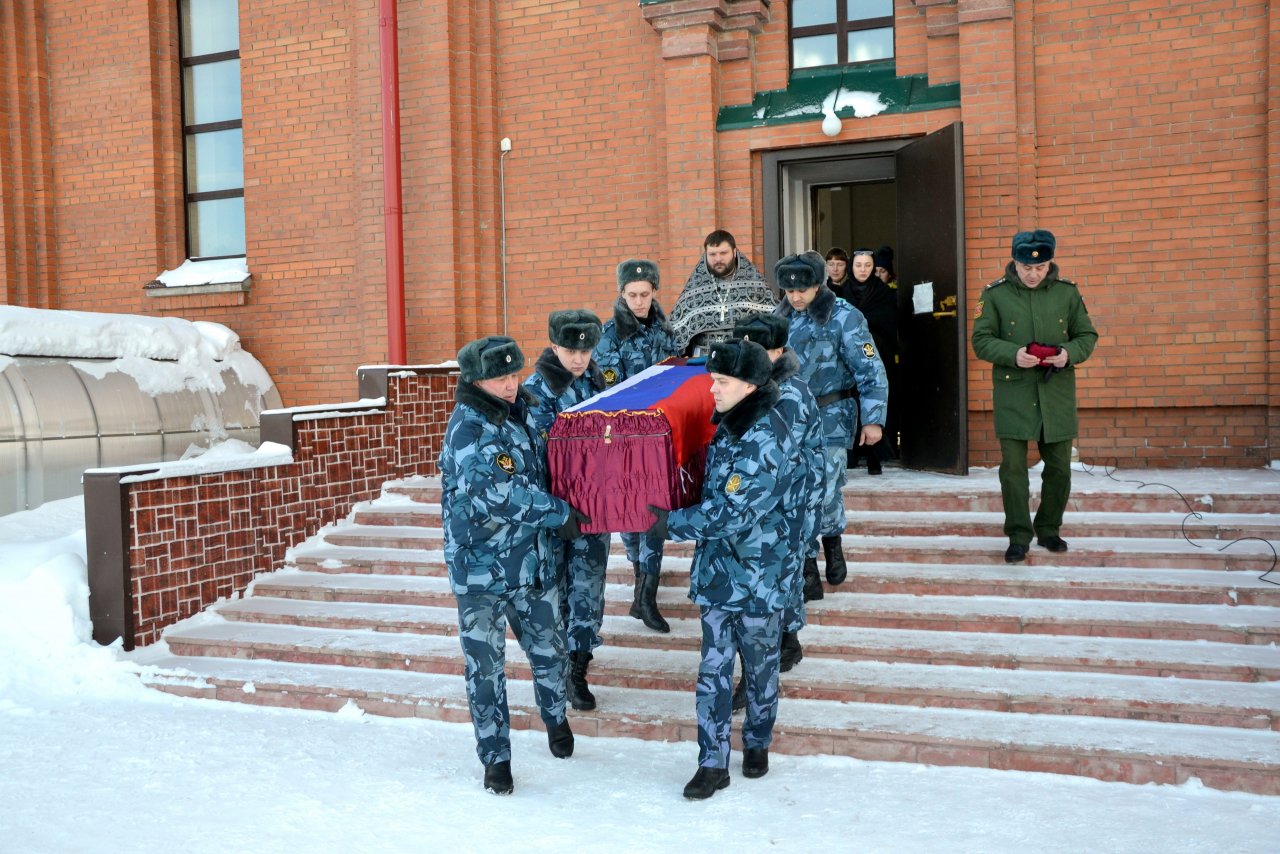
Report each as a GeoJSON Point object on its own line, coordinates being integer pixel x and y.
{"type": "Point", "coordinates": [799, 411]}
{"type": "Point", "coordinates": [838, 355]}
{"type": "Point", "coordinates": [740, 526]}
{"type": "Point", "coordinates": [628, 346]}
{"type": "Point", "coordinates": [555, 389]}
{"type": "Point", "coordinates": [498, 514]}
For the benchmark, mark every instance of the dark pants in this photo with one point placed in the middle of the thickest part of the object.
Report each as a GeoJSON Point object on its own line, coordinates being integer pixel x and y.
{"type": "Point", "coordinates": [1055, 488]}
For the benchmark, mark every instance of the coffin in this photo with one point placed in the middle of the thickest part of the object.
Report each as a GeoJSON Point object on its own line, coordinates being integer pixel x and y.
{"type": "Point", "coordinates": [642, 442]}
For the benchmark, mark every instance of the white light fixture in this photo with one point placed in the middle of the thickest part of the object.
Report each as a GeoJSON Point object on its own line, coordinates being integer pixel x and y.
{"type": "Point", "coordinates": [831, 124]}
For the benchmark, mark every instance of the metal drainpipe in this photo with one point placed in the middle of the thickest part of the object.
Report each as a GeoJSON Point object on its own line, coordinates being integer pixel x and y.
{"type": "Point", "coordinates": [393, 215]}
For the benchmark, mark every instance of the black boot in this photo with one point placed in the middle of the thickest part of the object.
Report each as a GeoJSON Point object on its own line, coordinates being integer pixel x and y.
{"type": "Point", "coordinates": [580, 696]}
{"type": "Point", "coordinates": [755, 762]}
{"type": "Point", "coordinates": [560, 740]}
{"type": "Point", "coordinates": [740, 692]}
{"type": "Point", "coordinates": [706, 783]}
{"type": "Point", "coordinates": [836, 569]}
{"type": "Point", "coordinates": [497, 778]}
{"type": "Point", "coordinates": [812, 580]}
{"type": "Point", "coordinates": [791, 651]}
{"type": "Point", "coordinates": [635, 593]}
{"type": "Point", "coordinates": [647, 608]}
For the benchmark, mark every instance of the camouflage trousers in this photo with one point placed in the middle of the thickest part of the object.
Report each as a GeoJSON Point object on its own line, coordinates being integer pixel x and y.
{"type": "Point", "coordinates": [581, 574]}
{"type": "Point", "coordinates": [793, 615]}
{"type": "Point", "coordinates": [644, 550]}
{"type": "Point", "coordinates": [832, 520]}
{"type": "Point", "coordinates": [724, 634]}
{"type": "Point", "coordinates": [482, 631]}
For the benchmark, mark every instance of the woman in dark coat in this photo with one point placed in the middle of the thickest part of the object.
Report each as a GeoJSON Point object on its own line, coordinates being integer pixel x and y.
{"type": "Point", "coordinates": [879, 305]}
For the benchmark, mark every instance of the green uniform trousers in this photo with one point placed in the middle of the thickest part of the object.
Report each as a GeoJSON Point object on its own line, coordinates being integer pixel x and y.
{"type": "Point", "coordinates": [1055, 488]}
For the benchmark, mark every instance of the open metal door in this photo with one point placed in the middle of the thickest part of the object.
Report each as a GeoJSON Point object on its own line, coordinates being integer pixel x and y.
{"type": "Point", "coordinates": [932, 402]}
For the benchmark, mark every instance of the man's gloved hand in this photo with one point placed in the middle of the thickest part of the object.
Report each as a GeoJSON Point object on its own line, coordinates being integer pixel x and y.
{"type": "Point", "coordinates": [659, 527]}
{"type": "Point", "coordinates": [572, 527]}
{"type": "Point", "coordinates": [1043, 351]}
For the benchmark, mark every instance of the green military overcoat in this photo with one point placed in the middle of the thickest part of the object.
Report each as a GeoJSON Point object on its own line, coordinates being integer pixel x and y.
{"type": "Point", "coordinates": [1010, 316]}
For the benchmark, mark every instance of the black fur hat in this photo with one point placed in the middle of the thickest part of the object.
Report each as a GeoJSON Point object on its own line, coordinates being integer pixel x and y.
{"type": "Point", "coordinates": [636, 270]}
{"type": "Point", "coordinates": [574, 329]}
{"type": "Point", "coordinates": [1033, 247]}
{"type": "Point", "coordinates": [800, 272]}
{"type": "Point", "coordinates": [745, 360]}
{"type": "Point", "coordinates": [767, 330]}
{"type": "Point", "coordinates": [883, 257]}
{"type": "Point", "coordinates": [489, 357]}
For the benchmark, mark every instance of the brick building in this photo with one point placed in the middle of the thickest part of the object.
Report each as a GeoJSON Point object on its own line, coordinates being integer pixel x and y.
{"type": "Point", "coordinates": [1145, 134]}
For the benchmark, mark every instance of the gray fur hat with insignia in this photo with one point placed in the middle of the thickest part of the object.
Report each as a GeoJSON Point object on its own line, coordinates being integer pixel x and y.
{"type": "Point", "coordinates": [574, 329]}
{"type": "Point", "coordinates": [636, 270]}
{"type": "Point", "coordinates": [489, 357]}
{"type": "Point", "coordinates": [767, 330]}
{"type": "Point", "coordinates": [800, 272]}
{"type": "Point", "coordinates": [745, 360]}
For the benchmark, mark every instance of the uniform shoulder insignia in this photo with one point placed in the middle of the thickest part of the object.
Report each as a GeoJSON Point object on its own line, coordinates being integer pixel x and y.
{"type": "Point", "coordinates": [868, 350]}
{"type": "Point", "coordinates": [610, 376]}
{"type": "Point", "coordinates": [996, 283]}
{"type": "Point", "coordinates": [1068, 282]}
{"type": "Point", "coordinates": [733, 484]}
{"type": "Point", "coordinates": [505, 463]}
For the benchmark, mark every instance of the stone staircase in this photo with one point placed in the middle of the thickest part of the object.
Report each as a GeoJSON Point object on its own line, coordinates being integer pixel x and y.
{"type": "Point", "coordinates": [1137, 656]}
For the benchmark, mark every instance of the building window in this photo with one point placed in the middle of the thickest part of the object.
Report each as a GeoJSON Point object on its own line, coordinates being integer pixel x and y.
{"type": "Point", "coordinates": [211, 124]}
{"type": "Point", "coordinates": [840, 32]}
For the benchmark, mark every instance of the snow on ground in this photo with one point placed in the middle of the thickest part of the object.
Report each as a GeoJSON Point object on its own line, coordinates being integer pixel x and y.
{"type": "Point", "coordinates": [95, 762]}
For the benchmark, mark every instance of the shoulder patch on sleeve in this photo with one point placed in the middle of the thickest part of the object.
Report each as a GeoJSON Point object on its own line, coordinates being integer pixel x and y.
{"type": "Point", "coordinates": [610, 376]}
{"type": "Point", "coordinates": [868, 350]}
{"type": "Point", "coordinates": [977, 312]}
{"type": "Point", "coordinates": [733, 484]}
{"type": "Point", "coordinates": [505, 463]}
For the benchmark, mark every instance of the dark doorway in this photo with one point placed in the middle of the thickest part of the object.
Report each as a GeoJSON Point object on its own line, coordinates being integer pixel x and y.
{"type": "Point", "coordinates": [906, 194]}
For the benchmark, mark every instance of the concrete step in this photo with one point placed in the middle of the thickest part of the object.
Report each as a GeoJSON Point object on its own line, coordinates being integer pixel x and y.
{"type": "Point", "coordinates": [1136, 584]}
{"type": "Point", "coordinates": [1221, 623]}
{"type": "Point", "coordinates": [1132, 751]}
{"type": "Point", "coordinates": [402, 624]}
{"type": "Point", "coordinates": [1253, 705]}
{"type": "Point", "coordinates": [1219, 527]}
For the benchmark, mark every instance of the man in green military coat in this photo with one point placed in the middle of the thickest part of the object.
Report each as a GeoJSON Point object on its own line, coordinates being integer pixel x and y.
{"type": "Point", "coordinates": [1033, 328]}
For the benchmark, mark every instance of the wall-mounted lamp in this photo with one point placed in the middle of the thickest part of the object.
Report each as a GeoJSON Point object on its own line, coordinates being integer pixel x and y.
{"type": "Point", "coordinates": [831, 124]}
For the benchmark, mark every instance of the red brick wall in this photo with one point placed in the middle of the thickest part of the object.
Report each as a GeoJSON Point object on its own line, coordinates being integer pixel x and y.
{"type": "Point", "coordinates": [194, 539]}
{"type": "Point", "coordinates": [1144, 135]}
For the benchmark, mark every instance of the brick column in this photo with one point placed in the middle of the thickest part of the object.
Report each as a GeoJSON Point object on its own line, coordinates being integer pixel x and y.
{"type": "Point", "coordinates": [1273, 231]}
{"type": "Point", "coordinates": [697, 36]}
{"type": "Point", "coordinates": [27, 266]}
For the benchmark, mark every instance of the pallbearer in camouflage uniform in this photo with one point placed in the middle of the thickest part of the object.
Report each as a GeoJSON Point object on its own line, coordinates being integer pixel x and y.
{"type": "Point", "coordinates": [738, 577]}
{"type": "Point", "coordinates": [800, 412]}
{"type": "Point", "coordinates": [637, 337]}
{"type": "Point", "coordinates": [838, 361]}
{"type": "Point", "coordinates": [566, 375]}
{"type": "Point", "coordinates": [499, 519]}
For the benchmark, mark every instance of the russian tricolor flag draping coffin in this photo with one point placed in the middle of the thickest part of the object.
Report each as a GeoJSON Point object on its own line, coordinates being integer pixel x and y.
{"type": "Point", "coordinates": [641, 442]}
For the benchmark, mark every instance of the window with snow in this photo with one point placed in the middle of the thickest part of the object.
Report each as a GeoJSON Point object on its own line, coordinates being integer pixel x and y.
{"type": "Point", "coordinates": [840, 32]}
{"type": "Point", "coordinates": [211, 119]}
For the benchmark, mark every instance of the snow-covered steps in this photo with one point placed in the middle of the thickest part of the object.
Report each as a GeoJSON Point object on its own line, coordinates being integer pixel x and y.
{"type": "Point", "coordinates": [1108, 749]}
{"type": "Point", "coordinates": [1136, 655]}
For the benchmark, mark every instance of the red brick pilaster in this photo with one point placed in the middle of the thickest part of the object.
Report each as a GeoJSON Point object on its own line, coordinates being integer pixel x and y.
{"type": "Point", "coordinates": [1273, 230]}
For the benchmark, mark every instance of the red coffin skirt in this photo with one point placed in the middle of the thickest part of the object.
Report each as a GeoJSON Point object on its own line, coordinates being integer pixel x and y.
{"type": "Point", "coordinates": [642, 442]}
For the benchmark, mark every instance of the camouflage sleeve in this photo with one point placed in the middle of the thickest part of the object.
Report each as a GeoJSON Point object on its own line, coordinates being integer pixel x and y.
{"type": "Point", "coordinates": [542, 409]}
{"type": "Point", "coordinates": [858, 351]}
{"type": "Point", "coordinates": [735, 501]}
{"type": "Point", "coordinates": [666, 344]}
{"type": "Point", "coordinates": [496, 492]}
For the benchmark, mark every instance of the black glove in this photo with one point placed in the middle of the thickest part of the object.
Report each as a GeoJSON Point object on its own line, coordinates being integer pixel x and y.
{"type": "Point", "coordinates": [572, 527]}
{"type": "Point", "coordinates": [659, 527]}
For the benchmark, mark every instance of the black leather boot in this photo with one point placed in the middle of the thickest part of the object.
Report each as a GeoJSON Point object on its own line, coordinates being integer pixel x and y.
{"type": "Point", "coordinates": [635, 593]}
{"type": "Point", "coordinates": [580, 696]}
{"type": "Point", "coordinates": [497, 778]}
{"type": "Point", "coordinates": [647, 612]}
{"type": "Point", "coordinates": [792, 652]}
{"type": "Point", "coordinates": [560, 740]}
{"type": "Point", "coordinates": [836, 569]}
{"type": "Point", "coordinates": [755, 762]}
{"type": "Point", "coordinates": [812, 580]}
{"type": "Point", "coordinates": [706, 783]}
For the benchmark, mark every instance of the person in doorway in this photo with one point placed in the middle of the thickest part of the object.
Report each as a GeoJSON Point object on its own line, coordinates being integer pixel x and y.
{"type": "Point", "coordinates": [498, 520]}
{"type": "Point", "coordinates": [884, 270]}
{"type": "Point", "coordinates": [866, 292]}
{"type": "Point", "coordinates": [636, 337]}
{"type": "Point", "coordinates": [837, 270]}
{"type": "Point", "coordinates": [566, 375]}
{"type": "Point", "coordinates": [723, 288]}
{"type": "Point", "coordinates": [838, 361]}
{"type": "Point", "coordinates": [739, 562]}
{"type": "Point", "coordinates": [1032, 326]}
